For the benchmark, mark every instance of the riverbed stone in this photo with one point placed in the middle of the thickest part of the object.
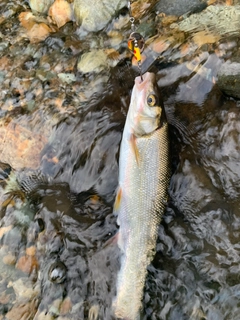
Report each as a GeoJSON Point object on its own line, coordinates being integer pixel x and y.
{"type": "Point", "coordinates": [20, 147]}
{"type": "Point", "coordinates": [66, 306]}
{"type": "Point", "coordinates": [94, 61]}
{"type": "Point", "coordinates": [27, 264]}
{"type": "Point", "coordinates": [22, 311]}
{"type": "Point", "coordinates": [173, 7]}
{"type": "Point", "coordinates": [40, 6]}
{"type": "Point", "coordinates": [94, 15]}
{"type": "Point", "coordinates": [24, 289]}
{"type": "Point", "coordinates": [9, 259]}
{"type": "Point", "coordinates": [229, 79]}
{"type": "Point", "coordinates": [218, 19]}
{"type": "Point", "coordinates": [60, 12]}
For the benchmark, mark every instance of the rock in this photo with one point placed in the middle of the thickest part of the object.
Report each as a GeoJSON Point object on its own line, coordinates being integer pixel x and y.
{"type": "Point", "coordinates": [94, 61]}
{"type": "Point", "coordinates": [37, 28]}
{"type": "Point", "coordinates": [94, 15]}
{"type": "Point", "coordinates": [220, 20]}
{"type": "Point", "coordinates": [141, 8]}
{"type": "Point", "coordinates": [23, 289]}
{"type": "Point", "coordinates": [31, 251]}
{"type": "Point", "coordinates": [66, 306]}
{"type": "Point", "coordinates": [20, 147]}
{"type": "Point", "coordinates": [39, 32]}
{"type": "Point", "coordinates": [13, 238]}
{"type": "Point", "coordinates": [27, 264]}
{"type": "Point", "coordinates": [55, 307]}
{"type": "Point", "coordinates": [67, 77]}
{"type": "Point", "coordinates": [4, 298]}
{"type": "Point", "coordinates": [27, 20]}
{"type": "Point", "coordinates": [173, 7]}
{"type": "Point", "coordinates": [229, 79]}
{"type": "Point", "coordinates": [23, 311]}
{"type": "Point", "coordinates": [4, 230]}
{"type": "Point", "coordinates": [40, 6]}
{"type": "Point", "coordinates": [60, 12]}
{"type": "Point", "coordinates": [9, 259]}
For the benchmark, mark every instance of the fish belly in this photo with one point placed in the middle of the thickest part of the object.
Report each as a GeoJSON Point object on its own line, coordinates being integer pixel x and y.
{"type": "Point", "coordinates": [143, 186]}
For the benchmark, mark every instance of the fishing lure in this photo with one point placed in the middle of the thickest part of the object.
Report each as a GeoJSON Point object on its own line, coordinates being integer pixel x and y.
{"type": "Point", "coordinates": [135, 41]}
{"type": "Point", "coordinates": [136, 45]}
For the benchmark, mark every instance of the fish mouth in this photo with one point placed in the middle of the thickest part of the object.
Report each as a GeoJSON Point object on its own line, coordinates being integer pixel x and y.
{"type": "Point", "coordinates": [141, 81]}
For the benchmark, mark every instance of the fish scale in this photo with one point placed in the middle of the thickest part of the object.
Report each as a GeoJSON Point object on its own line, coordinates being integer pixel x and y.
{"type": "Point", "coordinates": [143, 181]}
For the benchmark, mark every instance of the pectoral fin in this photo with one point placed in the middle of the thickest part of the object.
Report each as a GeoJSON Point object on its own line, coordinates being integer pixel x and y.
{"type": "Point", "coordinates": [118, 199]}
{"type": "Point", "coordinates": [133, 145]}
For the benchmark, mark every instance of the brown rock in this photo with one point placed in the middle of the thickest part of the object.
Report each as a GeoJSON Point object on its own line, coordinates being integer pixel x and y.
{"type": "Point", "coordinates": [27, 20]}
{"type": "Point", "coordinates": [23, 311]}
{"type": "Point", "coordinates": [9, 259]}
{"type": "Point", "coordinates": [27, 264]}
{"type": "Point", "coordinates": [4, 298]}
{"type": "Point", "coordinates": [4, 230]}
{"type": "Point", "coordinates": [60, 12]}
{"type": "Point", "coordinates": [66, 306]}
{"type": "Point", "coordinates": [19, 146]}
{"type": "Point", "coordinates": [24, 289]}
{"type": "Point", "coordinates": [39, 32]}
{"type": "Point", "coordinates": [31, 251]}
{"type": "Point", "coordinates": [5, 63]}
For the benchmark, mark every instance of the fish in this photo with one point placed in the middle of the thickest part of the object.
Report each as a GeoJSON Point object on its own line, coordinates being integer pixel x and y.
{"type": "Point", "coordinates": [142, 192]}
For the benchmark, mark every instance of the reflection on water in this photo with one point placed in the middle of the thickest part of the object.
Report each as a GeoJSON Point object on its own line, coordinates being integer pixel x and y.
{"type": "Point", "coordinates": [58, 256]}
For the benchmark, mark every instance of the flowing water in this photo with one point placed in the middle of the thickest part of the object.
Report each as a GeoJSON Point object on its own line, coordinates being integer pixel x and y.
{"type": "Point", "coordinates": [59, 170]}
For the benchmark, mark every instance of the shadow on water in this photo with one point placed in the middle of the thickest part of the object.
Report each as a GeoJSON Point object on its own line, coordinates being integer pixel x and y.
{"type": "Point", "coordinates": [57, 260]}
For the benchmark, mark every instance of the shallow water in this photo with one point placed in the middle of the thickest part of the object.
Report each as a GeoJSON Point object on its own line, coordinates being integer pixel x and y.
{"type": "Point", "coordinates": [56, 260]}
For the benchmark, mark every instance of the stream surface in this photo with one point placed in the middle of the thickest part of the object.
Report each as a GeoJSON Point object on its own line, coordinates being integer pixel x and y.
{"type": "Point", "coordinates": [59, 172]}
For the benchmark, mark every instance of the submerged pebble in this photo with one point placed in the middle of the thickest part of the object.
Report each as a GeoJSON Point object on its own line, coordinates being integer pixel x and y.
{"type": "Point", "coordinates": [66, 306]}
{"type": "Point", "coordinates": [9, 259]}
{"type": "Point", "coordinates": [229, 79]}
{"type": "Point", "coordinates": [25, 147]}
{"type": "Point", "coordinates": [22, 311]}
{"type": "Point", "coordinates": [60, 12]}
{"type": "Point", "coordinates": [27, 264]}
{"type": "Point", "coordinates": [94, 15]}
{"type": "Point", "coordinates": [24, 288]}
{"type": "Point", "coordinates": [40, 6]}
{"type": "Point", "coordinates": [67, 77]}
{"type": "Point", "coordinates": [172, 7]}
{"type": "Point", "coordinates": [93, 61]}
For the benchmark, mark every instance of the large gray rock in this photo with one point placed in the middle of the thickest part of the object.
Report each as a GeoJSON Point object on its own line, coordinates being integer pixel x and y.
{"type": "Point", "coordinates": [179, 7]}
{"type": "Point", "coordinates": [229, 79]}
{"type": "Point", "coordinates": [94, 15]}
{"type": "Point", "coordinates": [217, 19]}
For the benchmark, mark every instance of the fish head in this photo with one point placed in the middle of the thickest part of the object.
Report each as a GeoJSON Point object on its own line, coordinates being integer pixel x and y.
{"type": "Point", "coordinates": [145, 111]}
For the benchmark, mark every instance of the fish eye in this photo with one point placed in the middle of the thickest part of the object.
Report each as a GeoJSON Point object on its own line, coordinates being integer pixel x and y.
{"type": "Point", "coordinates": [151, 100]}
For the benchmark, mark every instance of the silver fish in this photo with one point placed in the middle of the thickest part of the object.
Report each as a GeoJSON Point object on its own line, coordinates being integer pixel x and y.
{"type": "Point", "coordinates": [142, 192]}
